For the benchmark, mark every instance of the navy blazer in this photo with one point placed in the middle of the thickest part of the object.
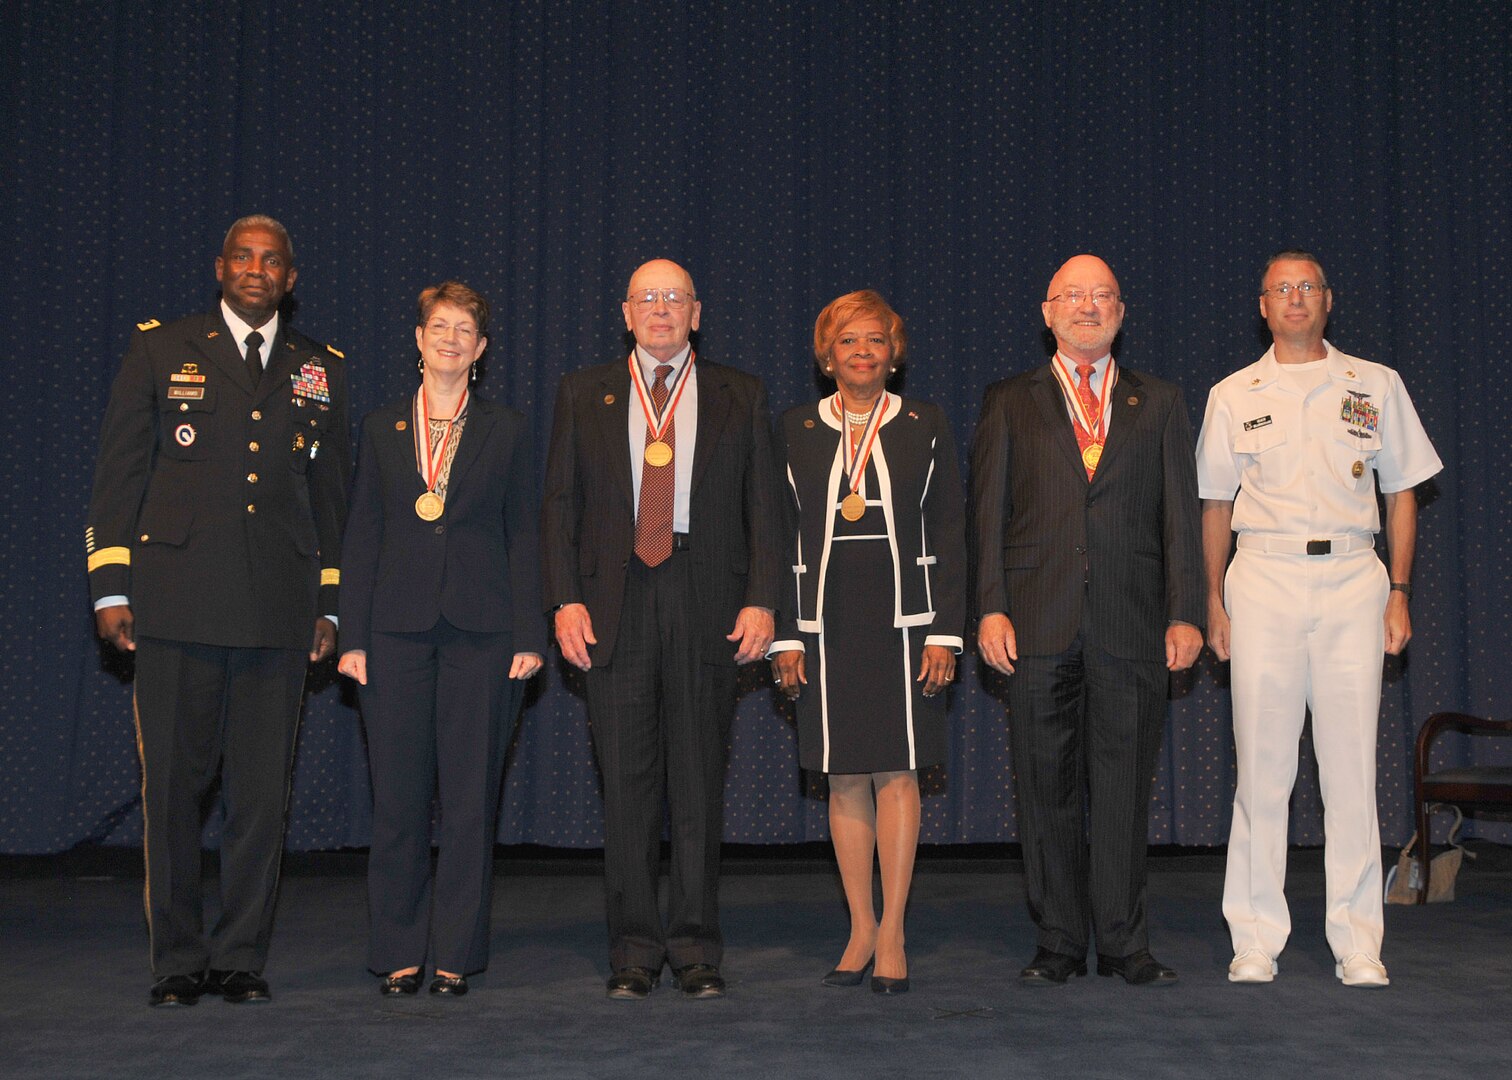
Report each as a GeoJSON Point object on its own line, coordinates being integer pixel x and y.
{"type": "Point", "coordinates": [476, 565]}
{"type": "Point", "coordinates": [920, 492]}
{"type": "Point", "coordinates": [1126, 545]}
{"type": "Point", "coordinates": [588, 513]}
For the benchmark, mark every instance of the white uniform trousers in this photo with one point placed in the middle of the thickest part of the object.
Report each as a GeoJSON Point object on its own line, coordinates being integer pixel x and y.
{"type": "Point", "coordinates": [1307, 630]}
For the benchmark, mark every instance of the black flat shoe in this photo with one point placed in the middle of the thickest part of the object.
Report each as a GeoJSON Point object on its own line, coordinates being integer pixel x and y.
{"type": "Point", "coordinates": [176, 990]}
{"type": "Point", "coordinates": [631, 983]}
{"type": "Point", "coordinates": [881, 984]}
{"type": "Point", "coordinates": [1051, 968]}
{"type": "Point", "coordinates": [842, 977]}
{"type": "Point", "coordinates": [699, 981]}
{"type": "Point", "coordinates": [239, 987]}
{"type": "Point", "coordinates": [448, 985]}
{"type": "Point", "coordinates": [401, 984]}
{"type": "Point", "coordinates": [1136, 969]}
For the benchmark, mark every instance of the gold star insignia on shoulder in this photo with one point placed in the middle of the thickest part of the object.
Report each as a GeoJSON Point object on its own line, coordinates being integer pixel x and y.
{"type": "Point", "coordinates": [150, 324]}
{"type": "Point", "coordinates": [334, 351]}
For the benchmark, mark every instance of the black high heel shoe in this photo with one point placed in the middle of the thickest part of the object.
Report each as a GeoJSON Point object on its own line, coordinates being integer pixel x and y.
{"type": "Point", "coordinates": [842, 977]}
{"type": "Point", "coordinates": [408, 983]}
{"type": "Point", "coordinates": [881, 984]}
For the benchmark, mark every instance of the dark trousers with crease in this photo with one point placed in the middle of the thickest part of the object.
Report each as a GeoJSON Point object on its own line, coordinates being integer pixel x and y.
{"type": "Point", "coordinates": [203, 710]}
{"type": "Point", "coordinates": [661, 719]}
{"type": "Point", "coordinates": [440, 709]}
{"type": "Point", "coordinates": [1085, 729]}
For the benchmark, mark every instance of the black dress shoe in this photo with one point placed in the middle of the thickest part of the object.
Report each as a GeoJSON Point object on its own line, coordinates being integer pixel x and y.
{"type": "Point", "coordinates": [174, 990]}
{"type": "Point", "coordinates": [632, 983]}
{"type": "Point", "coordinates": [1051, 968]}
{"type": "Point", "coordinates": [699, 981]}
{"type": "Point", "coordinates": [408, 983]}
{"type": "Point", "coordinates": [449, 985]}
{"type": "Point", "coordinates": [881, 984]}
{"type": "Point", "coordinates": [239, 987]}
{"type": "Point", "coordinates": [842, 977]}
{"type": "Point", "coordinates": [1137, 969]}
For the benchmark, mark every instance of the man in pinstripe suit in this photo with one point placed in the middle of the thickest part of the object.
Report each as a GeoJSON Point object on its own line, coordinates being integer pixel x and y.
{"type": "Point", "coordinates": [1089, 591]}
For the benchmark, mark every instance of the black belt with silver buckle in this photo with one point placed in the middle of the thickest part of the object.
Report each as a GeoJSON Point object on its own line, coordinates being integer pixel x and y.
{"type": "Point", "coordinates": [1319, 547]}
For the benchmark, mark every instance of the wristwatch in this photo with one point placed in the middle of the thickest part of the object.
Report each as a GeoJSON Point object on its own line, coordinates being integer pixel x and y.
{"type": "Point", "coordinates": [1403, 587]}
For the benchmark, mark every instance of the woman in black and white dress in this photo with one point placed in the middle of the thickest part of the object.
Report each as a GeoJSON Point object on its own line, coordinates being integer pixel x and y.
{"type": "Point", "coordinates": [876, 619]}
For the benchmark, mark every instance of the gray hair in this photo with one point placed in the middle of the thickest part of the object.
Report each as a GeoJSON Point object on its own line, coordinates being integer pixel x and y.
{"type": "Point", "coordinates": [261, 221]}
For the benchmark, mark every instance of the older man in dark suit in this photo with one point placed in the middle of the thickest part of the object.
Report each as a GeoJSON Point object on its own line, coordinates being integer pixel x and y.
{"type": "Point", "coordinates": [1089, 591]}
{"type": "Point", "coordinates": [213, 542]}
{"type": "Point", "coordinates": [659, 558]}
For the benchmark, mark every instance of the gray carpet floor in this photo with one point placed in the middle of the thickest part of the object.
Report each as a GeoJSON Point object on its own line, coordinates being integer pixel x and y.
{"type": "Point", "coordinates": [74, 1006]}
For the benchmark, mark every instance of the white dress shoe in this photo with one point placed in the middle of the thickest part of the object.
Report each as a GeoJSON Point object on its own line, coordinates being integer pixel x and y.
{"type": "Point", "coordinates": [1357, 969]}
{"type": "Point", "coordinates": [1252, 966]}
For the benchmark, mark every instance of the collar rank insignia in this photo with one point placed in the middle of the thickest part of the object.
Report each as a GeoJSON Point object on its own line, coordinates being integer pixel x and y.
{"type": "Point", "coordinates": [310, 381]}
{"type": "Point", "coordinates": [1356, 410]}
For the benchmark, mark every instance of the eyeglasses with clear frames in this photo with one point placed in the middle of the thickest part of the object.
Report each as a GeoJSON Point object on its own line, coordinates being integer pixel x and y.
{"type": "Point", "coordinates": [673, 298]}
{"type": "Point", "coordinates": [1074, 297]}
{"type": "Point", "coordinates": [1305, 289]}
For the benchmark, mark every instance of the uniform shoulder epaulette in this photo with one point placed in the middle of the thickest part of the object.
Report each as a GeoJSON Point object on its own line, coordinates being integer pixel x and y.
{"type": "Point", "coordinates": [150, 324]}
{"type": "Point", "coordinates": [334, 351]}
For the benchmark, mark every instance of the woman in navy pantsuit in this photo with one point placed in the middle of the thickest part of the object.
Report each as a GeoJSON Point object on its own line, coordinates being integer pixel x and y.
{"type": "Point", "coordinates": [441, 626]}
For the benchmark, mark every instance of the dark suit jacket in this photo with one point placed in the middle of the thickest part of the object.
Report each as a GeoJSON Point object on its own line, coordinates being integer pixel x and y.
{"type": "Point", "coordinates": [476, 565]}
{"type": "Point", "coordinates": [922, 487]}
{"type": "Point", "coordinates": [1129, 542]}
{"type": "Point", "coordinates": [218, 507]}
{"type": "Point", "coordinates": [588, 515]}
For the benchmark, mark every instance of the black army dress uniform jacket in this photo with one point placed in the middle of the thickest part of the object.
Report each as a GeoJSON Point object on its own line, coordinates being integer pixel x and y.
{"type": "Point", "coordinates": [218, 505]}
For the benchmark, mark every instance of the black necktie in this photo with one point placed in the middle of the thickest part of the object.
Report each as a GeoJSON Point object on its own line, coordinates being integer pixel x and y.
{"type": "Point", "coordinates": [254, 357]}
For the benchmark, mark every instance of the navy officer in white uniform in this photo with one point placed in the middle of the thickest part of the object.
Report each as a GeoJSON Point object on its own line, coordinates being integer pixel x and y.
{"type": "Point", "coordinates": [1291, 450]}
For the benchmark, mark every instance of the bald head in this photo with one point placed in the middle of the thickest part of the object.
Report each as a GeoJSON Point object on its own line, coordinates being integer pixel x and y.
{"type": "Point", "coordinates": [661, 327]}
{"type": "Point", "coordinates": [1084, 329]}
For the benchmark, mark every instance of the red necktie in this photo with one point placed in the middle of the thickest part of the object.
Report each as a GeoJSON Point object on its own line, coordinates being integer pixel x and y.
{"type": "Point", "coordinates": [653, 524]}
{"type": "Point", "coordinates": [1089, 403]}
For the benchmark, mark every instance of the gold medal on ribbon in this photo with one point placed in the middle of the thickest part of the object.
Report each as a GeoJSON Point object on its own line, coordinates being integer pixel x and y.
{"type": "Point", "coordinates": [658, 454]}
{"type": "Point", "coordinates": [852, 507]}
{"type": "Point", "coordinates": [428, 507]}
{"type": "Point", "coordinates": [1092, 455]}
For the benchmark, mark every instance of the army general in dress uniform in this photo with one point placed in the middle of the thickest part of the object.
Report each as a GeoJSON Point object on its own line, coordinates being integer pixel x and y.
{"type": "Point", "coordinates": [213, 538]}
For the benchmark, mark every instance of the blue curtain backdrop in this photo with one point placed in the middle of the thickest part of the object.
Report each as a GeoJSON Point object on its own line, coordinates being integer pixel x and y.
{"type": "Point", "coordinates": [950, 155]}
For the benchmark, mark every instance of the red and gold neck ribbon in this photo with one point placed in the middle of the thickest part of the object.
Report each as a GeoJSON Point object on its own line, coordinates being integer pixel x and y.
{"type": "Point", "coordinates": [429, 462]}
{"type": "Point", "coordinates": [858, 453]}
{"type": "Point", "coordinates": [1092, 425]}
{"type": "Point", "coordinates": [659, 425]}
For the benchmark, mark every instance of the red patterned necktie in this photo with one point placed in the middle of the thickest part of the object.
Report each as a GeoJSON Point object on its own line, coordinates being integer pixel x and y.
{"type": "Point", "coordinates": [653, 524]}
{"type": "Point", "coordinates": [1084, 438]}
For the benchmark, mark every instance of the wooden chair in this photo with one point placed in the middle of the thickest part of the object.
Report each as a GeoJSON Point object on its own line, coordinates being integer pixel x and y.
{"type": "Point", "coordinates": [1471, 785]}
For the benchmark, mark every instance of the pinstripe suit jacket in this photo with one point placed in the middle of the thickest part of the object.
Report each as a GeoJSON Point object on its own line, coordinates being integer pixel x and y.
{"type": "Point", "coordinates": [1047, 542]}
